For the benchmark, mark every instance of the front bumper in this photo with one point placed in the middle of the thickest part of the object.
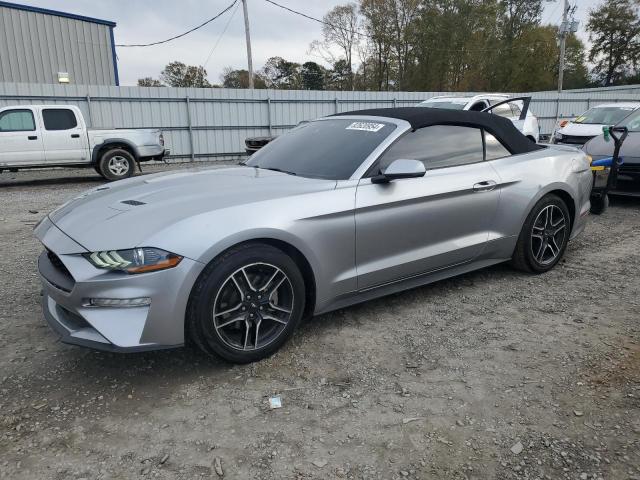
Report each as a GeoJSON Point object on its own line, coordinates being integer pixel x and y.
{"type": "Point", "coordinates": [70, 280]}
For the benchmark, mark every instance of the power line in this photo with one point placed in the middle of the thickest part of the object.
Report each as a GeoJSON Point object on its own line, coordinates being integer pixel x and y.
{"type": "Point", "coordinates": [468, 50]}
{"type": "Point", "coordinates": [182, 34]}
{"type": "Point", "coordinates": [355, 32]}
{"type": "Point", "coordinates": [221, 35]}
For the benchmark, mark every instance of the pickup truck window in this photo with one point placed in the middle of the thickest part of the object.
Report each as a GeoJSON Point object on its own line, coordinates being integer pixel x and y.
{"type": "Point", "coordinates": [17, 121]}
{"type": "Point", "coordinates": [59, 119]}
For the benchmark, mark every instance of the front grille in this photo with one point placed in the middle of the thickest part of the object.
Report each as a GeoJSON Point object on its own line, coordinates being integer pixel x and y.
{"type": "Point", "coordinates": [629, 168]}
{"type": "Point", "coordinates": [574, 140]}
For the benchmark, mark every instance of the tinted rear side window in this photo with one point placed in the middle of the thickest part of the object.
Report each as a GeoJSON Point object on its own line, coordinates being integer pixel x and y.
{"type": "Point", "coordinates": [17, 121]}
{"type": "Point", "coordinates": [59, 119]}
{"type": "Point", "coordinates": [437, 147]}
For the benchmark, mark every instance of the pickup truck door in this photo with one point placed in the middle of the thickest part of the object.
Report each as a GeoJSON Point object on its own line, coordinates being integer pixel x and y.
{"type": "Point", "coordinates": [64, 136]}
{"type": "Point", "coordinates": [20, 139]}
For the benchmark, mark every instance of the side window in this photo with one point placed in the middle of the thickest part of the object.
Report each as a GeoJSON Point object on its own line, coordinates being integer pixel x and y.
{"type": "Point", "coordinates": [17, 121]}
{"type": "Point", "coordinates": [503, 110]}
{"type": "Point", "coordinates": [515, 109]}
{"type": "Point", "coordinates": [59, 119]}
{"type": "Point", "coordinates": [493, 148]}
{"type": "Point", "coordinates": [437, 147]}
{"type": "Point", "coordinates": [478, 106]}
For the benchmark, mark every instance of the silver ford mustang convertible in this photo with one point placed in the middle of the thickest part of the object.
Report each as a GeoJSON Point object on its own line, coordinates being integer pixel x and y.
{"type": "Point", "coordinates": [337, 211]}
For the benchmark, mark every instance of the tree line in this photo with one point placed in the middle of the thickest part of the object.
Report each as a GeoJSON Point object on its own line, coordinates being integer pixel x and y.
{"type": "Point", "coordinates": [445, 45]}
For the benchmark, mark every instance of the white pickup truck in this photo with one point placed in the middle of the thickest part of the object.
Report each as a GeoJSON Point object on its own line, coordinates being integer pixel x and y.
{"type": "Point", "coordinates": [57, 136]}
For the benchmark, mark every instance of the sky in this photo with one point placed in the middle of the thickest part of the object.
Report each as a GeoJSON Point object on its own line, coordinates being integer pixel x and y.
{"type": "Point", "coordinates": [274, 32]}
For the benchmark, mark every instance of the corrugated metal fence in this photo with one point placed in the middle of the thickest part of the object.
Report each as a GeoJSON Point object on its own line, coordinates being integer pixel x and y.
{"type": "Point", "coordinates": [211, 123]}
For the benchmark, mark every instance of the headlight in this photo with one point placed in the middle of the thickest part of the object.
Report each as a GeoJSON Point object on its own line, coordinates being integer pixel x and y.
{"type": "Point", "coordinates": [558, 136]}
{"type": "Point", "coordinates": [135, 260]}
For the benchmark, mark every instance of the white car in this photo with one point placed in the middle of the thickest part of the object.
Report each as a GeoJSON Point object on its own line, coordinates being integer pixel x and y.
{"type": "Point", "coordinates": [57, 136]}
{"type": "Point", "coordinates": [584, 127]}
{"type": "Point", "coordinates": [515, 109]}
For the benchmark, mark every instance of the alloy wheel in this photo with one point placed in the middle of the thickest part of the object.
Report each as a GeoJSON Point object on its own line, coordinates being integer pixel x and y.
{"type": "Point", "coordinates": [548, 234]}
{"type": "Point", "coordinates": [118, 165]}
{"type": "Point", "coordinates": [253, 306]}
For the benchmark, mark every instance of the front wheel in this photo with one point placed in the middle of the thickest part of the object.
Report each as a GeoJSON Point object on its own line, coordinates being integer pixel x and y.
{"type": "Point", "coordinates": [246, 303]}
{"type": "Point", "coordinates": [544, 236]}
{"type": "Point", "coordinates": [116, 164]}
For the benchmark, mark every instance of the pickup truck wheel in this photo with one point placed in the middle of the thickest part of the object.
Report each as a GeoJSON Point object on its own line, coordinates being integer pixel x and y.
{"type": "Point", "coordinates": [116, 164]}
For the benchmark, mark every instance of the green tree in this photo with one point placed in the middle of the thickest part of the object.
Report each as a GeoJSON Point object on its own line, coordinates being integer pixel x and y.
{"type": "Point", "coordinates": [282, 74]}
{"type": "Point", "coordinates": [339, 77]}
{"type": "Point", "coordinates": [240, 79]}
{"type": "Point", "coordinates": [340, 30]}
{"type": "Point", "coordinates": [614, 31]}
{"type": "Point", "coordinates": [312, 76]}
{"type": "Point", "coordinates": [576, 74]}
{"type": "Point", "coordinates": [149, 82]}
{"type": "Point", "coordinates": [177, 74]}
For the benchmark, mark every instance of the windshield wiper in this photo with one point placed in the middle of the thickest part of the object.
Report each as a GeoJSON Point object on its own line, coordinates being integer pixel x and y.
{"type": "Point", "coordinates": [274, 169]}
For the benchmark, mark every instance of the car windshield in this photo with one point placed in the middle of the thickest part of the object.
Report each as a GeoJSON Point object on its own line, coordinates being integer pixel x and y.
{"type": "Point", "coordinates": [604, 115]}
{"type": "Point", "coordinates": [331, 149]}
{"type": "Point", "coordinates": [448, 104]}
{"type": "Point", "coordinates": [632, 122]}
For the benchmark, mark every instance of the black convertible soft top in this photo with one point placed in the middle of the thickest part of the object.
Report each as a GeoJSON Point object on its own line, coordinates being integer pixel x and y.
{"type": "Point", "coordinates": [419, 117]}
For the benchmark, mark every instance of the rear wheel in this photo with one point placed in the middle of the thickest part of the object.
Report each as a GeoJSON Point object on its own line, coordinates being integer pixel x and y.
{"type": "Point", "coordinates": [246, 303]}
{"type": "Point", "coordinates": [544, 236]}
{"type": "Point", "coordinates": [116, 164]}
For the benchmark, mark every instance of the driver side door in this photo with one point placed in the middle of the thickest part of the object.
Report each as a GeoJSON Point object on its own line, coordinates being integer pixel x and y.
{"type": "Point", "coordinates": [414, 226]}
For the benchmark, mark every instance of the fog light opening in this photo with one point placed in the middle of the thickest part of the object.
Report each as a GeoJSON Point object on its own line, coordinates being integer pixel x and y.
{"type": "Point", "coordinates": [118, 302]}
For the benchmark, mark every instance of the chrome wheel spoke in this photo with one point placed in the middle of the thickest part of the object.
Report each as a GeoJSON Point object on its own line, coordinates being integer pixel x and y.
{"type": "Point", "coordinates": [257, 336]}
{"type": "Point", "coordinates": [226, 323]}
{"type": "Point", "coordinates": [541, 250]}
{"type": "Point", "coordinates": [274, 282]}
{"type": "Point", "coordinates": [242, 282]}
{"type": "Point", "coordinates": [247, 329]}
{"type": "Point", "coordinates": [273, 318]}
{"type": "Point", "coordinates": [280, 309]}
{"type": "Point", "coordinates": [225, 312]}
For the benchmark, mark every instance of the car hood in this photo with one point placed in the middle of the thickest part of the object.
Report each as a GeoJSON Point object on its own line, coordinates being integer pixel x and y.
{"type": "Point", "coordinates": [124, 214]}
{"type": "Point", "coordinates": [581, 129]}
{"type": "Point", "coordinates": [598, 147]}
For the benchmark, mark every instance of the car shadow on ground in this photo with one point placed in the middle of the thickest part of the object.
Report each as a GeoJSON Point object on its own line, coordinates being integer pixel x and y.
{"type": "Point", "coordinates": [16, 181]}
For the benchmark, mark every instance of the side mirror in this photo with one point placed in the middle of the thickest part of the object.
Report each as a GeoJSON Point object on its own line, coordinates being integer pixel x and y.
{"type": "Point", "coordinates": [401, 168]}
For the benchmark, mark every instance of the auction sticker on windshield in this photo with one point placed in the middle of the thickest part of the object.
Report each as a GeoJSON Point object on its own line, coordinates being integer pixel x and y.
{"type": "Point", "coordinates": [366, 126]}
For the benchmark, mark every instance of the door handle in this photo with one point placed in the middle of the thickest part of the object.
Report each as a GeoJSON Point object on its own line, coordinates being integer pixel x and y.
{"type": "Point", "coordinates": [75, 135]}
{"type": "Point", "coordinates": [485, 186]}
{"type": "Point", "coordinates": [32, 137]}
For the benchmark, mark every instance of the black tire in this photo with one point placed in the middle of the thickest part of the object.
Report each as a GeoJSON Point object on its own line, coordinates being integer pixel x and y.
{"type": "Point", "coordinates": [524, 257]}
{"type": "Point", "coordinates": [599, 204]}
{"type": "Point", "coordinates": [215, 282]}
{"type": "Point", "coordinates": [116, 164]}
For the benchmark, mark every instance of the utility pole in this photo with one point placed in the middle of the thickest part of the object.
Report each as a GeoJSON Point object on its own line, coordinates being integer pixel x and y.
{"type": "Point", "coordinates": [248, 35]}
{"type": "Point", "coordinates": [567, 26]}
{"type": "Point", "coordinates": [563, 43]}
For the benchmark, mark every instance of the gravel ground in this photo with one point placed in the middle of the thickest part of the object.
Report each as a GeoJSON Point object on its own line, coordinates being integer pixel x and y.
{"type": "Point", "coordinates": [491, 375]}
